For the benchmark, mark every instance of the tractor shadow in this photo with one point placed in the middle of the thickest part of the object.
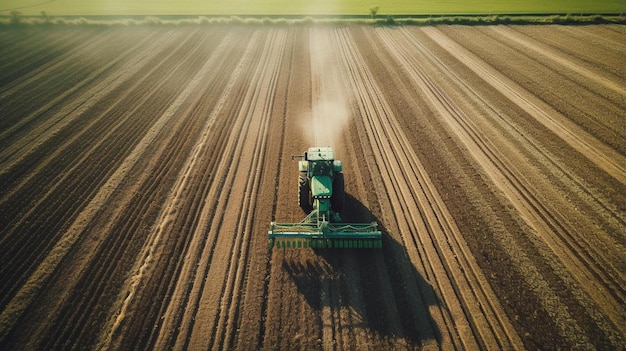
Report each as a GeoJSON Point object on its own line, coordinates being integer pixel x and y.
{"type": "Point", "coordinates": [380, 287]}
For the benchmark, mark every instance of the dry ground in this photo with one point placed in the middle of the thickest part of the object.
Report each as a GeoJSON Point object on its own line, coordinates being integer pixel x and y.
{"type": "Point", "coordinates": [140, 168]}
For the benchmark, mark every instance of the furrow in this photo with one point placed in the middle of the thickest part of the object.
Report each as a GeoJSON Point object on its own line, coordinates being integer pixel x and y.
{"type": "Point", "coordinates": [70, 176]}
{"type": "Point", "coordinates": [216, 199]}
{"type": "Point", "coordinates": [377, 138]}
{"type": "Point", "coordinates": [529, 143]}
{"type": "Point", "coordinates": [397, 189]}
{"type": "Point", "coordinates": [594, 246]}
{"type": "Point", "coordinates": [282, 303]}
{"type": "Point", "coordinates": [602, 156]}
{"type": "Point", "coordinates": [115, 251]}
{"type": "Point", "coordinates": [447, 110]}
{"type": "Point", "coordinates": [69, 85]}
{"type": "Point", "coordinates": [50, 69]}
{"type": "Point", "coordinates": [439, 223]}
{"type": "Point", "coordinates": [34, 53]}
{"type": "Point", "coordinates": [604, 110]}
{"type": "Point", "coordinates": [21, 146]}
{"type": "Point", "coordinates": [178, 314]}
{"type": "Point", "coordinates": [259, 112]}
{"type": "Point", "coordinates": [140, 168]}
{"type": "Point", "coordinates": [536, 48]}
{"type": "Point", "coordinates": [87, 213]}
{"type": "Point", "coordinates": [328, 113]}
{"type": "Point", "coordinates": [593, 274]}
{"type": "Point", "coordinates": [475, 142]}
{"type": "Point", "coordinates": [597, 46]}
{"type": "Point", "coordinates": [217, 245]}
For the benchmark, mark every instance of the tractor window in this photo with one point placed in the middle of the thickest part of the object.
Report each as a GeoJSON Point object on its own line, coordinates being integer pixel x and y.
{"type": "Point", "coordinates": [322, 168]}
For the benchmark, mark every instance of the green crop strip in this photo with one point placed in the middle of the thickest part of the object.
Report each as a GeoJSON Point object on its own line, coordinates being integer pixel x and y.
{"type": "Point", "coordinates": [305, 7]}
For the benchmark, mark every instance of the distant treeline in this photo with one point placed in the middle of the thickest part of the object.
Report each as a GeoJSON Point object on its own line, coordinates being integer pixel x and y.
{"type": "Point", "coordinates": [15, 19]}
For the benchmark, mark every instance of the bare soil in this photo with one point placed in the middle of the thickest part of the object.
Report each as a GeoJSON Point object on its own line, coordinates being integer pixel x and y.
{"type": "Point", "coordinates": [140, 169]}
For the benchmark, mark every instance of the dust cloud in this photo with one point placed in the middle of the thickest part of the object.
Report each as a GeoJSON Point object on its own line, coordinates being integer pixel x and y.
{"type": "Point", "coordinates": [330, 114]}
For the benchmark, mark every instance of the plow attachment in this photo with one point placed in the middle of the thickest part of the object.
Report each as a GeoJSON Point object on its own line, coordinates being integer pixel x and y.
{"type": "Point", "coordinates": [318, 233]}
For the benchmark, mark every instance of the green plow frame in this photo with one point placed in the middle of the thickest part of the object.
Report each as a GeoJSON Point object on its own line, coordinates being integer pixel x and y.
{"type": "Point", "coordinates": [321, 234]}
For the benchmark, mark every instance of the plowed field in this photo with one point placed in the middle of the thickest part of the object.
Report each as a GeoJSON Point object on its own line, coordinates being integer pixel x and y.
{"type": "Point", "coordinates": [140, 168]}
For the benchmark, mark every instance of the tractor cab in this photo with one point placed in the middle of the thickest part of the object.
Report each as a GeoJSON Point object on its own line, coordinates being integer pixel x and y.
{"type": "Point", "coordinates": [319, 161]}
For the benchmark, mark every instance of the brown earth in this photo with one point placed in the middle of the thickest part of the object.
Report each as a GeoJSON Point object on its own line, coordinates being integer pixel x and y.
{"type": "Point", "coordinates": [141, 167]}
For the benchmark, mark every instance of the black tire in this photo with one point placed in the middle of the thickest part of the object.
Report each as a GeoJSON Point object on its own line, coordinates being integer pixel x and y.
{"type": "Point", "coordinates": [338, 198]}
{"type": "Point", "coordinates": [304, 193]}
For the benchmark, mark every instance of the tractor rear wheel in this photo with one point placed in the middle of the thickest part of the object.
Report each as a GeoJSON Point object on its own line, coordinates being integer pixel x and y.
{"type": "Point", "coordinates": [338, 198]}
{"type": "Point", "coordinates": [304, 193]}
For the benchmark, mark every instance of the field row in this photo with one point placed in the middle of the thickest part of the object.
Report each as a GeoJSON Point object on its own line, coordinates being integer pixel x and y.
{"type": "Point", "coordinates": [141, 168]}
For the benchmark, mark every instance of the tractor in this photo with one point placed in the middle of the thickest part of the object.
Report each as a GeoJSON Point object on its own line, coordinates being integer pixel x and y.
{"type": "Point", "coordinates": [322, 195]}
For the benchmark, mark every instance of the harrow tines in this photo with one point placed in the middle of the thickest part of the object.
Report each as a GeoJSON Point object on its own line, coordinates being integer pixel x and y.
{"type": "Point", "coordinates": [333, 243]}
{"type": "Point", "coordinates": [321, 193]}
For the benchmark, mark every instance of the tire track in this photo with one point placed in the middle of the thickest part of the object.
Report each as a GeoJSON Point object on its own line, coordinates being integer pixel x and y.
{"type": "Point", "coordinates": [155, 214]}
{"type": "Point", "coordinates": [598, 46]}
{"type": "Point", "coordinates": [398, 191]}
{"type": "Point", "coordinates": [36, 51]}
{"type": "Point", "coordinates": [196, 69]}
{"type": "Point", "coordinates": [591, 106]}
{"type": "Point", "coordinates": [422, 213]}
{"type": "Point", "coordinates": [590, 249]}
{"type": "Point", "coordinates": [381, 306]}
{"type": "Point", "coordinates": [598, 36]}
{"type": "Point", "coordinates": [237, 148]}
{"type": "Point", "coordinates": [42, 80]}
{"type": "Point", "coordinates": [292, 319]}
{"type": "Point", "coordinates": [603, 110]}
{"type": "Point", "coordinates": [183, 295]}
{"type": "Point", "coordinates": [14, 168]}
{"type": "Point", "coordinates": [256, 115]}
{"type": "Point", "coordinates": [602, 156]}
{"type": "Point", "coordinates": [329, 291]}
{"type": "Point", "coordinates": [564, 169]}
{"type": "Point", "coordinates": [540, 49]}
{"type": "Point", "coordinates": [71, 178]}
{"type": "Point", "coordinates": [46, 267]}
{"type": "Point", "coordinates": [76, 46]}
{"type": "Point", "coordinates": [522, 196]}
{"type": "Point", "coordinates": [178, 314]}
{"type": "Point", "coordinates": [329, 115]}
{"type": "Point", "coordinates": [591, 270]}
{"type": "Point", "coordinates": [252, 321]}
{"type": "Point", "coordinates": [148, 256]}
{"type": "Point", "coordinates": [212, 277]}
{"type": "Point", "coordinates": [18, 146]}
{"type": "Point", "coordinates": [51, 197]}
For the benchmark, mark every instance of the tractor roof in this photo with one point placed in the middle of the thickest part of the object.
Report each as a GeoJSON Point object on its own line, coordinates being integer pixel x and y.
{"type": "Point", "coordinates": [320, 153]}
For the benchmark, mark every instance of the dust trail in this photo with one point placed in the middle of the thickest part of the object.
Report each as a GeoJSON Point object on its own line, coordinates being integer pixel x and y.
{"type": "Point", "coordinates": [330, 113]}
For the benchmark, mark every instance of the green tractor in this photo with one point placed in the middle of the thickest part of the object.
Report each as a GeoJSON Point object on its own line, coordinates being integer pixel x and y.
{"type": "Point", "coordinates": [321, 194]}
